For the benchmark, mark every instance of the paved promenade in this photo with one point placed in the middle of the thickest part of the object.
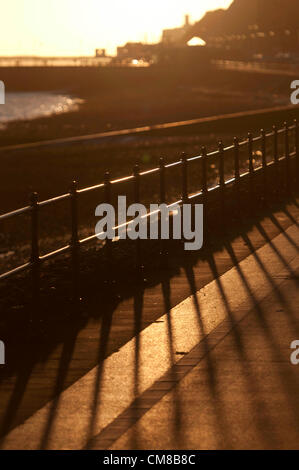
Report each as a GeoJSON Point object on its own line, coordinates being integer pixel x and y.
{"type": "Point", "coordinates": [236, 389]}
{"type": "Point", "coordinates": [212, 370]}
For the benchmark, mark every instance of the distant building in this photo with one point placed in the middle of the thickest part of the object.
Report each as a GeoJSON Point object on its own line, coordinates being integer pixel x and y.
{"type": "Point", "coordinates": [176, 47]}
{"type": "Point", "coordinates": [136, 51]}
{"type": "Point", "coordinates": [131, 50]}
{"type": "Point", "coordinates": [176, 36]}
{"type": "Point", "coordinates": [251, 28]}
{"type": "Point", "coordinates": [100, 52]}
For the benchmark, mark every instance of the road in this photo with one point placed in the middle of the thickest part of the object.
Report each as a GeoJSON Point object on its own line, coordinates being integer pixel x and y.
{"type": "Point", "coordinates": [291, 70]}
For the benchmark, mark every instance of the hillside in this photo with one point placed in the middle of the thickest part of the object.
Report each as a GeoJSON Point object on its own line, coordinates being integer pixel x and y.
{"type": "Point", "coordinates": [266, 14]}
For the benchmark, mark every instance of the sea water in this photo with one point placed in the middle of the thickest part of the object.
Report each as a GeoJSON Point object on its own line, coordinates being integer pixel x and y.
{"type": "Point", "coordinates": [21, 106]}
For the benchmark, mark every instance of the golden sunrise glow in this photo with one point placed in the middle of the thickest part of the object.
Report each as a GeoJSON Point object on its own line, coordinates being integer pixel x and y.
{"type": "Point", "coordinates": [77, 27]}
{"type": "Point", "coordinates": [196, 42]}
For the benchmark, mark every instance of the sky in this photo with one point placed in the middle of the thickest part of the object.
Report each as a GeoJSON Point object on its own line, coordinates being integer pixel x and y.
{"type": "Point", "coordinates": [78, 27]}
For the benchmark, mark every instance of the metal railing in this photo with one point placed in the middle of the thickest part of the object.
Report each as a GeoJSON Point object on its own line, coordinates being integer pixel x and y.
{"type": "Point", "coordinates": [252, 65]}
{"type": "Point", "coordinates": [73, 247]}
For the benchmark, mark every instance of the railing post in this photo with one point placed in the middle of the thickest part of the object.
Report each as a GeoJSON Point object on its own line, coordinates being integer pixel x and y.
{"type": "Point", "coordinates": [222, 184]}
{"type": "Point", "coordinates": [184, 178]}
{"type": "Point", "coordinates": [75, 241]}
{"type": "Point", "coordinates": [35, 259]}
{"type": "Point", "coordinates": [250, 153]}
{"type": "Point", "coordinates": [275, 144]}
{"type": "Point", "coordinates": [297, 152]}
{"type": "Point", "coordinates": [276, 160]}
{"type": "Point", "coordinates": [107, 187]}
{"type": "Point", "coordinates": [204, 182]}
{"type": "Point", "coordinates": [237, 171]}
{"type": "Point", "coordinates": [237, 158]}
{"type": "Point", "coordinates": [162, 180]}
{"type": "Point", "coordinates": [251, 170]}
{"type": "Point", "coordinates": [107, 199]}
{"type": "Point", "coordinates": [221, 164]}
{"type": "Point", "coordinates": [264, 164]}
{"type": "Point", "coordinates": [185, 195]}
{"type": "Point", "coordinates": [136, 183]}
{"type": "Point", "coordinates": [287, 159]}
{"type": "Point", "coordinates": [162, 251]}
{"type": "Point", "coordinates": [136, 174]}
{"type": "Point", "coordinates": [204, 188]}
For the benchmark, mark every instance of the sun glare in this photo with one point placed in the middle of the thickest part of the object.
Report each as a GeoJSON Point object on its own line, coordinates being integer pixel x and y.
{"type": "Point", "coordinates": [78, 27]}
{"type": "Point", "coordinates": [196, 42]}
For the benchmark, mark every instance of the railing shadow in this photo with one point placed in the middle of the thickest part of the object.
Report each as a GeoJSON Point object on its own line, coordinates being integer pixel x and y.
{"type": "Point", "coordinates": [265, 426]}
{"type": "Point", "coordinates": [101, 306]}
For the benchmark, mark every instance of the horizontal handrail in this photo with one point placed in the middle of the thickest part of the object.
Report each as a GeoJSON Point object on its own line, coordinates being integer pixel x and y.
{"type": "Point", "coordinates": [23, 210]}
{"type": "Point", "coordinates": [55, 253]}
{"type": "Point", "coordinates": [17, 270]}
{"type": "Point", "coordinates": [54, 199]}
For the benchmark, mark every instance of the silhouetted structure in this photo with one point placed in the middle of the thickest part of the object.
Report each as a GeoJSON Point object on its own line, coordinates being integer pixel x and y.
{"type": "Point", "coordinates": [137, 51]}
{"type": "Point", "coordinates": [176, 36]}
{"type": "Point", "coordinates": [269, 27]}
